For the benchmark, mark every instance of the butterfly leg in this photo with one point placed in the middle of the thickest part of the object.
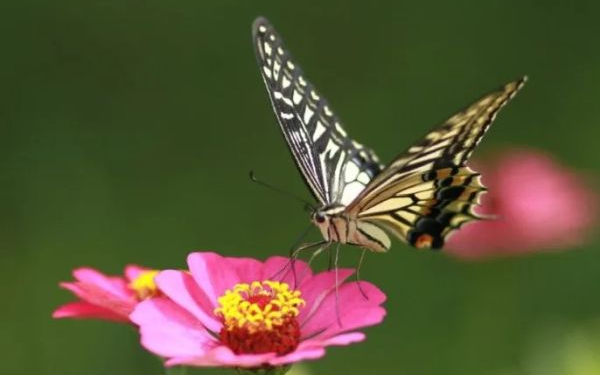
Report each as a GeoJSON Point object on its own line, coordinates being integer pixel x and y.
{"type": "Point", "coordinates": [358, 267]}
{"type": "Point", "coordinates": [318, 252]}
{"type": "Point", "coordinates": [315, 253]}
{"type": "Point", "coordinates": [330, 260]}
{"type": "Point", "coordinates": [293, 256]}
{"type": "Point", "coordinates": [337, 284]}
{"type": "Point", "coordinates": [298, 241]}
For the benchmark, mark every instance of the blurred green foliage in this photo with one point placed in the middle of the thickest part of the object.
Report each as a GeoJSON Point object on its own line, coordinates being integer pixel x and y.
{"type": "Point", "coordinates": [127, 130]}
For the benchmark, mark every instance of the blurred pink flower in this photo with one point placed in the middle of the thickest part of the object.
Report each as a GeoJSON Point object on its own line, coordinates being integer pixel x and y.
{"type": "Point", "coordinates": [235, 312]}
{"type": "Point", "coordinates": [107, 297]}
{"type": "Point", "coordinates": [538, 205]}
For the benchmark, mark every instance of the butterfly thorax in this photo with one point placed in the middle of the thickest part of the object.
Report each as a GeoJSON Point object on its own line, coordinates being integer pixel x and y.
{"type": "Point", "coordinates": [336, 225]}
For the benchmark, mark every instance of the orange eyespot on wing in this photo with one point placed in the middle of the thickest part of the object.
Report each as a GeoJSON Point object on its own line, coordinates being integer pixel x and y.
{"type": "Point", "coordinates": [424, 241]}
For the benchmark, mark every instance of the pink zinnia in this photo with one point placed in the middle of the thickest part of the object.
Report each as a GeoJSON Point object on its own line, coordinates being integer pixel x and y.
{"type": "Point", "coordinates": [240, 312]}
{"type": "Point", "coordinates": [538, 205]}
{"type": "Point", "coordinates": [107, 297]}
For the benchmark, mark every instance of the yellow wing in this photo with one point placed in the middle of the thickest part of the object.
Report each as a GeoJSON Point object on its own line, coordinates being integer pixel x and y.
{"type": "Point", "coordinates": [428, 191]}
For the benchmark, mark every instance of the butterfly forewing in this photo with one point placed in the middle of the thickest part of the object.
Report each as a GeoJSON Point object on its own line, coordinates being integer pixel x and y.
{"type": "Point", "coordinates": [335, 167]}
{"type": "Point", "coordinates": [428, 192]}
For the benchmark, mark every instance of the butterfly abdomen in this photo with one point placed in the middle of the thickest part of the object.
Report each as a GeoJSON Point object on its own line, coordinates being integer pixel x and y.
{"type": "Point", "coordinates": [339, 227]}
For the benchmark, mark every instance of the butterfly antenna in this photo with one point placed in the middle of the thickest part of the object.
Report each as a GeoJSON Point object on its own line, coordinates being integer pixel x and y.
{"type": "Point", "coordinates": [307, 205]}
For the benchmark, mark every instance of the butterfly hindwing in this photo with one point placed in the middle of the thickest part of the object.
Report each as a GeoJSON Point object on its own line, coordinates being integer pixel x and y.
{"type": "Point", "coordinates": [335, 167]}
{"type": "Point", "coordinates": [425, 208]}
{"type": "Point", "coordinates": [422, 196]}
{"type": "Point", "coordinates": [428, 192]}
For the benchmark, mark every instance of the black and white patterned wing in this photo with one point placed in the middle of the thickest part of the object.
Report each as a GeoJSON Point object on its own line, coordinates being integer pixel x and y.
{"type": "Point", "coordinates": [335, 167]}
{"type": "Point", "coordinates": [429, 191]}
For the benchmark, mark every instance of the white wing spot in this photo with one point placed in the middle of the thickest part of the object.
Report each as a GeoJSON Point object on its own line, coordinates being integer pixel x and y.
{"type": "Point", "coordinates": [314, 95]}
{"type": "Point", "coordinates": [332, 148]}
{"type": "Point", "coordinates": [279, 96]}
{"type": "Point", "coordinates": [262, 29]}
{"type": "Point", "coordinates": [290, 65]}
{"type": "Point", "coordinates": [268, 49]}
{"type": "Point", "coordinates": [327, 111]}
{"type": "Point", "coordinates": [363, 177]}
{"type": "Point", "coordinates": [267, 71]}
{"type": "Point", "coordinates": [285, 83]}
{"type": "Point", "coordinates": [301, 81]}
{"type": "Point", "coordinates": [280, 50]}
{"type": "Point", "coordinates": [319, 130]}
{"type": "Point", "coordinates": [296, 97]}
{"type": "Point", "coordinates": [308, 113]}
{"type": "Point", "coordinates": [351, 191]}
{"type": "Point", "coordinates": [276, 67]}
{"type": "Point", "coordinates": [340, 129]}
{"type": "Point", "coordinates": [272, 37]}
{"type": "Point", "coordinates": [286, 116]}
{"type": "Point", "coordinates": [350, 172]}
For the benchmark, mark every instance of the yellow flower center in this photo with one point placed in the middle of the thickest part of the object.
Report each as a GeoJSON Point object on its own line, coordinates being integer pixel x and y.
{"type": "Point", "coordinates": [260, 317]}
{"type": "Point", "coordinates": [144, 286]}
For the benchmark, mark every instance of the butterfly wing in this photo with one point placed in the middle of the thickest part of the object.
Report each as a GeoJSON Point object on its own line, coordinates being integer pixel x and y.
{"type": "Point", "coordinates": [428, 192]}
{"type": "Point", "coordinates": [335, 167]}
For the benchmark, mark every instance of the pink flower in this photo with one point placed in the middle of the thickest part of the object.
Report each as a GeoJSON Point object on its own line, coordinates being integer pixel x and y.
{"type": "Point", "coordinates": [538, 204]}
{"type": "Point", "coordinates": [107, 297]}
{"type": "Point", "coordinates": [240, 312]}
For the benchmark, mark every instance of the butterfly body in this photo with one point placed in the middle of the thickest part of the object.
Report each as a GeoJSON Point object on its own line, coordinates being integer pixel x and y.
{"type": "Point", "coordinates": [338, 226]}
{"type": "Point", "coordinates": [420, 197]}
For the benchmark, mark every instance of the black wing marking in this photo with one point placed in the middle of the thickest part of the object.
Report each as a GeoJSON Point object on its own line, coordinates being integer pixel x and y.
{"type": "Point", "coordinates": [335, 167]}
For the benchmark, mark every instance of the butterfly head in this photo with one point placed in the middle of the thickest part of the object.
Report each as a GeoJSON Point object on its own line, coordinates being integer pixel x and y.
{"type": "Point", "coordinates": [325, 218]}
{"type": "Point", "coordinates": [320, 218]}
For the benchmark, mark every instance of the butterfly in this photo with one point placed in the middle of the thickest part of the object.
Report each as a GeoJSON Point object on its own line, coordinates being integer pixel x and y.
{"type": "Point", "coordinates": [421, 197]}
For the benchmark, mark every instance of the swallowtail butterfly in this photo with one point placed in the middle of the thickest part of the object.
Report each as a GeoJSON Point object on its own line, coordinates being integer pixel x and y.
{"type": "Point", "coordinates": [421, 197]}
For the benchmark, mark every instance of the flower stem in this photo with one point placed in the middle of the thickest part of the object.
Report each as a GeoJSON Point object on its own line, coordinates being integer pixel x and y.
{"type": "Point", "coordinates": [177, 370]}
{"type": "Point", "coordinates": [281, 370]}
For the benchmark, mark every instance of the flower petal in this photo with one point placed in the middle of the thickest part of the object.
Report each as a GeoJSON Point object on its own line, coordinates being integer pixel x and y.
{"type": "Point", "coordinates": [343, 339]}
{"type": "Point", "coordinates": [247, 269]}
{"type": "Point", "coordinates": [298, 355]}
{"type": "Point", "coordinates": [182, 289]}
{"type": "Point", "coordinates": [350, 309]}
{"type": "Point", "coordinates": [101, 297]}
{"type": "Point", "coordinates": [223, 356]}
{"type": "Point", "coordinates": [212, 274]}
{"type": "Point", "coordinates": [85, 310]}
{"type": "Point", "coordinates": [312, 349]}
{"type": "Point", "coordinates": [114, 285]}
{"type": "Point", "coordinates": [315, 289]}
{"type": "Point", "coordinates": [170, 331]}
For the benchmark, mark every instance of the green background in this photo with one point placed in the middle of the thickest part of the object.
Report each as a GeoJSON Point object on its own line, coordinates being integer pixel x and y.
{"type": "Point", "coordinates": [127, 130]}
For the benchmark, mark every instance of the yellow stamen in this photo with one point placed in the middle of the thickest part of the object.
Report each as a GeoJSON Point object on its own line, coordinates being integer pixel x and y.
{"type": "Point", "coordinates": [258, 305]}
{"type": "Point", "coordinates": [144, 285]}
